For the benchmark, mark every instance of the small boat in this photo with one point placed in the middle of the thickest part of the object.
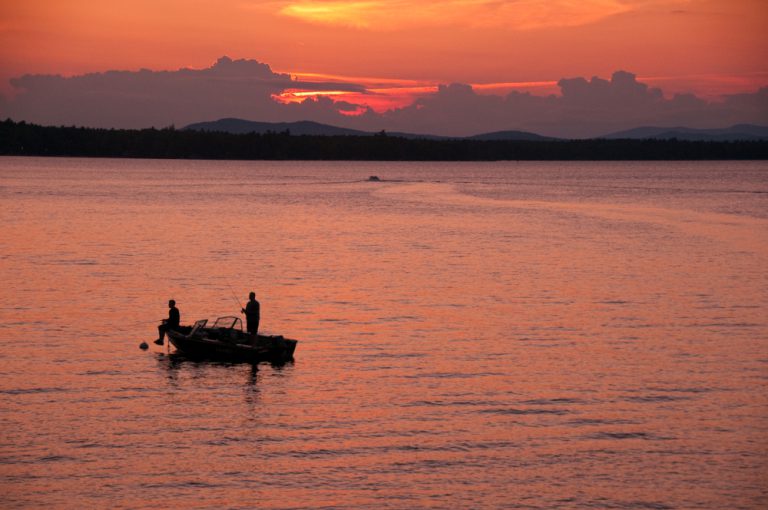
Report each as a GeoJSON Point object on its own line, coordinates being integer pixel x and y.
{"type": "Point", "coordinates": [226, 340]}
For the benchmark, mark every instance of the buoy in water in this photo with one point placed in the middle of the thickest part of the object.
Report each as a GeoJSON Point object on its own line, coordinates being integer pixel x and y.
{"type": "Point", "coordinates": [143, 346]}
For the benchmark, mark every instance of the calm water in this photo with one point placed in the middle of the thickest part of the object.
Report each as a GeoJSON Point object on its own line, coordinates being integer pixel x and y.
{"type": "Point", "coordinates": [503, 335]}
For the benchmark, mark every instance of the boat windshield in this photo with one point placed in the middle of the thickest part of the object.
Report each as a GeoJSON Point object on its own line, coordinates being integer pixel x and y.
{"type": "Point", "coordinates": [228, 323]}
{"type": "Point", "coordinates": [198, 325]}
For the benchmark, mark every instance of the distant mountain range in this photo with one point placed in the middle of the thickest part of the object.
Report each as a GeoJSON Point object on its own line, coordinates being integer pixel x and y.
{"type": "Point", "coordinates": [733, 133]}
{"type": "Point", "coordinates": [511, 135]}
{"type": "Point", "coordinates": [305, 127]}
{"type": "Point", "coordinates": [240, 126]}
{"type": "Point", "coordinates": [23, 139]}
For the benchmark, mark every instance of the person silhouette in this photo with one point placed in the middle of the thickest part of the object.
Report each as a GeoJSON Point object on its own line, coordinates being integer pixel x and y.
{"type": "Point", "coordinates": [252, 313]}
{"type": "Point", "coordinates": [171, 323]}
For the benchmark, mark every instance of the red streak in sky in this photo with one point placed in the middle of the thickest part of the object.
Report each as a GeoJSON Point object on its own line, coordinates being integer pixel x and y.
{"type": "Point", "coordinates": [377, 99]}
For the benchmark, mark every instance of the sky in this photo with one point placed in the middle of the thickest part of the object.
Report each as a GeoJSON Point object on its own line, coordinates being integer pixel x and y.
{"type": "Point", "coordinates": [449, 66]}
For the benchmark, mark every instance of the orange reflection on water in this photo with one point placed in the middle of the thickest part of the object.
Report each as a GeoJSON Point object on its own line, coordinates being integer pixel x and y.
{"type": "Point", "coordinates": [471, 335]}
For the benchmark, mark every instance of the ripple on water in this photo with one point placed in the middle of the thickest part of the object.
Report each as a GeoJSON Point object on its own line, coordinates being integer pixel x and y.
{"type": "Point", "coordinates": [495, 335]}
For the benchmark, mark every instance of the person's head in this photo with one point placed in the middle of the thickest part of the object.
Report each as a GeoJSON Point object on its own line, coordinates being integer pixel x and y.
{"type": "Point", "coordinates": [252, 295]}
{"type": "Point", "coordinates": [171, 303]}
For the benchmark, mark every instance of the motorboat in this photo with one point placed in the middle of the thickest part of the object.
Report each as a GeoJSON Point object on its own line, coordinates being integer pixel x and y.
{"type": "Point", "coordinates": [226, 340]}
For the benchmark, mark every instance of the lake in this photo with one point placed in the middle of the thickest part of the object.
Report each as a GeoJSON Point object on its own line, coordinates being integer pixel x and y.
{"type": "Point", "coordinates": [471, 335]}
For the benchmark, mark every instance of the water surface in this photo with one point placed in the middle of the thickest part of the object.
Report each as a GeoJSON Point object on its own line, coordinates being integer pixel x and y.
{"type": "Point", "coordinates": [472, 335]}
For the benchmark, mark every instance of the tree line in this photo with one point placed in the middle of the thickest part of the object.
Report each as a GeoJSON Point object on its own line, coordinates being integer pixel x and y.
{"type": "Point", "coordinates": [24, 139]}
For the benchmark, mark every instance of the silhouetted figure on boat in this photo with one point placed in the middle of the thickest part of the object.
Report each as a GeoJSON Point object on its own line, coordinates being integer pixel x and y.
{"type": "Point", "coordinates": [172, 322]}
{"type": "Point", "coordinates": [252, 313]}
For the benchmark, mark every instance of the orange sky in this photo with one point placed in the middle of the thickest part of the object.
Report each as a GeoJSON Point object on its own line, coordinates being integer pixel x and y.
{"type": "Point", "coordinates": [703, 46]}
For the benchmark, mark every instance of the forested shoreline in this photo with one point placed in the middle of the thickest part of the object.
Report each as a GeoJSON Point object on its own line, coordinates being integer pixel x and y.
{"type": "Point", "coordinates": [24, 139]}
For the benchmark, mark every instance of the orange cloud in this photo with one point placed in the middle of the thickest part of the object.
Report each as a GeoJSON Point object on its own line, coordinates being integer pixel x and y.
{"type": "Point", "coordinates": [402, 14]}
{"type": "Point", "coordinates": [377, 99]}
{"type": "Point", "coordinates": [354, 14]}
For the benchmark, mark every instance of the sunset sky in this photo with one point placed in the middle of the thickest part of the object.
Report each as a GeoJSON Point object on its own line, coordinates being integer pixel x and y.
{"type": "Point", "coordinates": [396, 51]}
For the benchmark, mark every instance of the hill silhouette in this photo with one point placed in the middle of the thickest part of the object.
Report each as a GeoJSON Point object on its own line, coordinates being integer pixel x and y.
{"type": "Point", "coordinates": [733, 133]}
{"type": "Point", "coordinates": [242, 126]}
{"type": "Point", "coordinates": [739, 132]}
{"type": "Point", "coordinates": [301, 128]}
{"type": "Point", "coordinates": [511, 135]}
{"type": "Point", "coordinates": [22, 139]}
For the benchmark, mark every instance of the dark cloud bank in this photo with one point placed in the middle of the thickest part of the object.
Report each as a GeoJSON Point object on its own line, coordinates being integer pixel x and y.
{"type": "Point", "coordinates": [243, 88]}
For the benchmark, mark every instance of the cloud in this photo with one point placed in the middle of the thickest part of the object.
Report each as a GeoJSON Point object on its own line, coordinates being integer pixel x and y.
{"type": "Point", "coordinates": [405, 14]}
{"type": "Point", "coordinates": [138, 99]}
{"type": "Point", "coordinates": [585, 108]}
{"type": "Point", "coordinates": [621, 92]}
{"type": "Point", "coordinates": [247, 89]}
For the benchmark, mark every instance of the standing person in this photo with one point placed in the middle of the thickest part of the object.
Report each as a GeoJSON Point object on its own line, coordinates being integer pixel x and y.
{"type": "Point", "coordinates": [172, 322]}
{"type": "Point", "coordinates": [252, 313]}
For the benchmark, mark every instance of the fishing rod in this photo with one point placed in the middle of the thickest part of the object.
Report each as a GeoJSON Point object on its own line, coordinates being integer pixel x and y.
{"type": "Point", "coordinates": [235, 296]}
{"type": "Point", "coordinates": [141, 323]}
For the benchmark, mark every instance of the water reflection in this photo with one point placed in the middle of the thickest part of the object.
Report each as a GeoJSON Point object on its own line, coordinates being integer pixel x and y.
{"type": "Point", "coordinates": [589, 338]}
{"type": "Point", "coordinates": [184, 373]}
{"type": "Point", "coordinates": [176, 364]}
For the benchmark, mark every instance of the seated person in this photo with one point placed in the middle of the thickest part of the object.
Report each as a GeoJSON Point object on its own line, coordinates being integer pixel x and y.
{"type": "Point", "coordinates": [171, 323]}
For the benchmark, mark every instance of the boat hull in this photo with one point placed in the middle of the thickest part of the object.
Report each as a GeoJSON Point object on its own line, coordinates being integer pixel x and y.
{"type": "Point", "coordinates": [242, 348]}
